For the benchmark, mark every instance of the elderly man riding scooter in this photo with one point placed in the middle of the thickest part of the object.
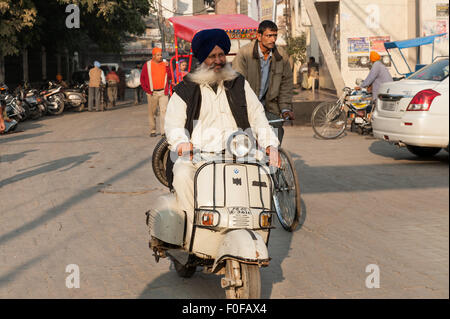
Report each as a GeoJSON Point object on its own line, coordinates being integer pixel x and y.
{"type": "Point", "coordinates": [208, 105]}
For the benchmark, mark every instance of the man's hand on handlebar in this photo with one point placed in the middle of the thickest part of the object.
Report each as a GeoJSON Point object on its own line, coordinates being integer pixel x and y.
{"type": "Point", "coordinates": [288, 115]}
{"type": "Point", "coordinates": [274, 156]}
{"type": "Point", "coordinates": [186, 148]}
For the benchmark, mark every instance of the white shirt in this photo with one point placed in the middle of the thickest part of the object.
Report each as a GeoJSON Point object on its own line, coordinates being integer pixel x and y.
{"type": "Point", "coordinates": [216, 121]}
{"type": "Point", "coordinates": [103, 78]}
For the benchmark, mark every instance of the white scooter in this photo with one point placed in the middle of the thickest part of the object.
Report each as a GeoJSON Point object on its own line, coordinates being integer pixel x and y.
{"type": "Point", "coordinates": [232, 220]}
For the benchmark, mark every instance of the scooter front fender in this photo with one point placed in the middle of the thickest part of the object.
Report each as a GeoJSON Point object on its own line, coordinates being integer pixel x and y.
{"type": "Point", "coordinates": [244, 245]}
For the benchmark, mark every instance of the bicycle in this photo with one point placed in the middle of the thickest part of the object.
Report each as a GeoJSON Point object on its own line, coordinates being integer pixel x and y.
{"type": "Point", "coordinates": [329, 119]}
{"type": "Point", "coordinates": [286, 195]}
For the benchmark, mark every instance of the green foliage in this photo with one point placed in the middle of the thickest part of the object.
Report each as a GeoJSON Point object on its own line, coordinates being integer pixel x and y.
{"type": "Point", "coordinates": [296, 47]}
{"type": "Point", "coordinates": [15, 17]}
{"type": "Point", "coordinates": [32, 23]}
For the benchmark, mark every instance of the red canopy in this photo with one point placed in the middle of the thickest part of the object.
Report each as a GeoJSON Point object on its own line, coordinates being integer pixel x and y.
{"type": "Point", "coordinates": [238, 26]}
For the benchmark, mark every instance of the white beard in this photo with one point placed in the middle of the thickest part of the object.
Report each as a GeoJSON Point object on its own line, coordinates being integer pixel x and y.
{"type": "Point", "coordinates": [205, 75]}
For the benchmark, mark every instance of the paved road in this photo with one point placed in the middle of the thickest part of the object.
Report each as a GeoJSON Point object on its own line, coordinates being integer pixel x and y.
{"type": "Point", "coordinates": [74, 189]}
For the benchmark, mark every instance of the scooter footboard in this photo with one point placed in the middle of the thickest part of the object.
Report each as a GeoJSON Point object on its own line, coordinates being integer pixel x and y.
{"type": "Point", "coordinates": [244, 245]}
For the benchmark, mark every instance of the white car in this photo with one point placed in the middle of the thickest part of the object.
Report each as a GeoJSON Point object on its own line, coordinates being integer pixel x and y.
{"type": "Point", "coordinates": [413, 112]}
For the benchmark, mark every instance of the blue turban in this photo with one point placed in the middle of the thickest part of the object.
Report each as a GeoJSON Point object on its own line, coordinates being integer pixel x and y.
{"type": "Point", "coordinates": [97, 64]}
{"type": "Point", "coordinates": [205, 41]}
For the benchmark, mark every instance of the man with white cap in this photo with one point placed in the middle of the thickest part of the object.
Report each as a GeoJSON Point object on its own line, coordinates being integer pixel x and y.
{"type": "Point", "coordinates": [208, 105]}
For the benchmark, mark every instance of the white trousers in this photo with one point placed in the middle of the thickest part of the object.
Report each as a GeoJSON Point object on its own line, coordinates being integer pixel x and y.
{"type": "Point", "coordinates": [183, 183]}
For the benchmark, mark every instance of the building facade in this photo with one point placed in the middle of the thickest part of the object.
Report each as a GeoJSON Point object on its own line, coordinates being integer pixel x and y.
{"type": "Point", "coordinates": [356, 27]}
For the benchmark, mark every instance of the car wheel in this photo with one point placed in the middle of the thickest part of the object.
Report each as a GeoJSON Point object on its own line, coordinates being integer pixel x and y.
{"type": "Point", "coordinates": [423, 151]}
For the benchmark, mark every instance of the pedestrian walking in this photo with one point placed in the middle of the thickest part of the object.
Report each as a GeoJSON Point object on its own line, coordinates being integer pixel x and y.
{"type": "Point", "coordinates": [134, 82]}
{"type": "Point", "coordinates": [112, 79]}
{"type": "Point", "coordinates": [96, 79]}
{"type": "Point", "coordinates": [155, 77]}
{"type": "Point", "coordinates": [266, 68]}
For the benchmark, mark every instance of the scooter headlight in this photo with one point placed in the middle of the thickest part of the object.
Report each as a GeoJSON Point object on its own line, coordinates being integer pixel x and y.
{"type": "Point", "coordinates": [239, 144]}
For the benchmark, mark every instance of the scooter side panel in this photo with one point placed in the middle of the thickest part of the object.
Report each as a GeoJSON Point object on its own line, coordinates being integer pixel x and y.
{"type": "Point", "coordinates": [166, 222]}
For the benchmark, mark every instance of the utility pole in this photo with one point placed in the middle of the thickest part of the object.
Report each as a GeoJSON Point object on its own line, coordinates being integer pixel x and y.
{"type": "Point", "coordinates": [274, 11]}
{"type": "Point", "coordinates": [161, 27]}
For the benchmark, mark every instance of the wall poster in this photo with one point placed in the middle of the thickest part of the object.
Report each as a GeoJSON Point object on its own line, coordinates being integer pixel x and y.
{"type": "Point", "coordinates": [442, 10]}
{"type": "Point", "coordinates": [359, 49]}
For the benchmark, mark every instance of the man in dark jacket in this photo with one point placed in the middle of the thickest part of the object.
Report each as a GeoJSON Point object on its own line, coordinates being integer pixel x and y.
{"type": "Point", "coordinates": [268, 71]}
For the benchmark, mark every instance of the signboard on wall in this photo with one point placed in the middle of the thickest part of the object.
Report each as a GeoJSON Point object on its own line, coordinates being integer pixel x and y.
{"type": "Point", "coordinates": [358, 45]}
{"type": "Point", "coordinates": [377, 43]}
{"type": "Point", "coordinates": [266, 9]}
{"type": "Point", "coordinates": [359, 49]}
{"type": "Point", "coordinates": [442, 10]}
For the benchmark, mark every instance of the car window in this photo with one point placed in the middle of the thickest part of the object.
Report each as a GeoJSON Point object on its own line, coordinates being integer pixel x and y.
{"type": "Point", "coordinates": [436, 71]}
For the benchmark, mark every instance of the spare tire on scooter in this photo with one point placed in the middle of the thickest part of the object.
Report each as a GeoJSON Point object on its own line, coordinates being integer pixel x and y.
{"type": "Point", "coordinates": [160, 161]}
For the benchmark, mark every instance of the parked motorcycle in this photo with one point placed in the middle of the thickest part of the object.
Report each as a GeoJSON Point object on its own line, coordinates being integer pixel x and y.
{"type": "Point", "coordinates": [53, 98]}
{"type": "Point", "coordinates": [14, 107]}
{"type": "Point", "coordinates": [33, 102]}
{"type": "Point", "coordinates": [75, 97]}
{"type": "Point", "coordinates": [329, 119]}
{"type": "Point", "coordinates": [232, 220]}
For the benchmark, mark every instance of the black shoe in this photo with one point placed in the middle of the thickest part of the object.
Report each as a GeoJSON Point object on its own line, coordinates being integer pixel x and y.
{"type": "Point", "coordinates": [153, 134]}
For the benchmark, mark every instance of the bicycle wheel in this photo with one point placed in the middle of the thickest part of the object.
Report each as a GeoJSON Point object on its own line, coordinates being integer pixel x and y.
{"type": "Point", "coordinates": [286, 195]}
{"type": "Point", "coordinates": [159, 160]}
{"type": "Point", "coordinates": [329, 120]}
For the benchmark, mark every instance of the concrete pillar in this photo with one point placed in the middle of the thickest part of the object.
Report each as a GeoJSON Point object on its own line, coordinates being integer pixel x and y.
{"type": "Point", "coordinates": [2, 69]}
{"type": "Point", "coordinates": [58, 63]}
{"type": "Point", "coordinates": [329, 58]}
{"type": "Point", "coordinates": [44, 63]}
{"type": "Point", "coordinates": [66, 56]}
{"type": "Point", "coordinates": [25, 65]}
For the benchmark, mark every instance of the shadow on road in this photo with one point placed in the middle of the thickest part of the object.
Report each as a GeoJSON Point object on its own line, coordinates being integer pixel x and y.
{"type": "Point", "coordinates": [385, 149]}
{"type": "Point", "coordinates": [374, 177]}
{"type": "Point", "coordinates": [68, 162]}
{"type": "Point", "coordinates": [19, 137]}
{"type": "Point", "coordinates": [8, 158]}
{"type": "Point", "coordinates": [65, 206]}
{"type": "Point", "coordinates": [170, 286]}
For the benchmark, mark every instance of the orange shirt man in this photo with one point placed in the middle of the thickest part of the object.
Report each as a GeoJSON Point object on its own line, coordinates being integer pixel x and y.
{"type": "Point", "coordinates": [155, 77]}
